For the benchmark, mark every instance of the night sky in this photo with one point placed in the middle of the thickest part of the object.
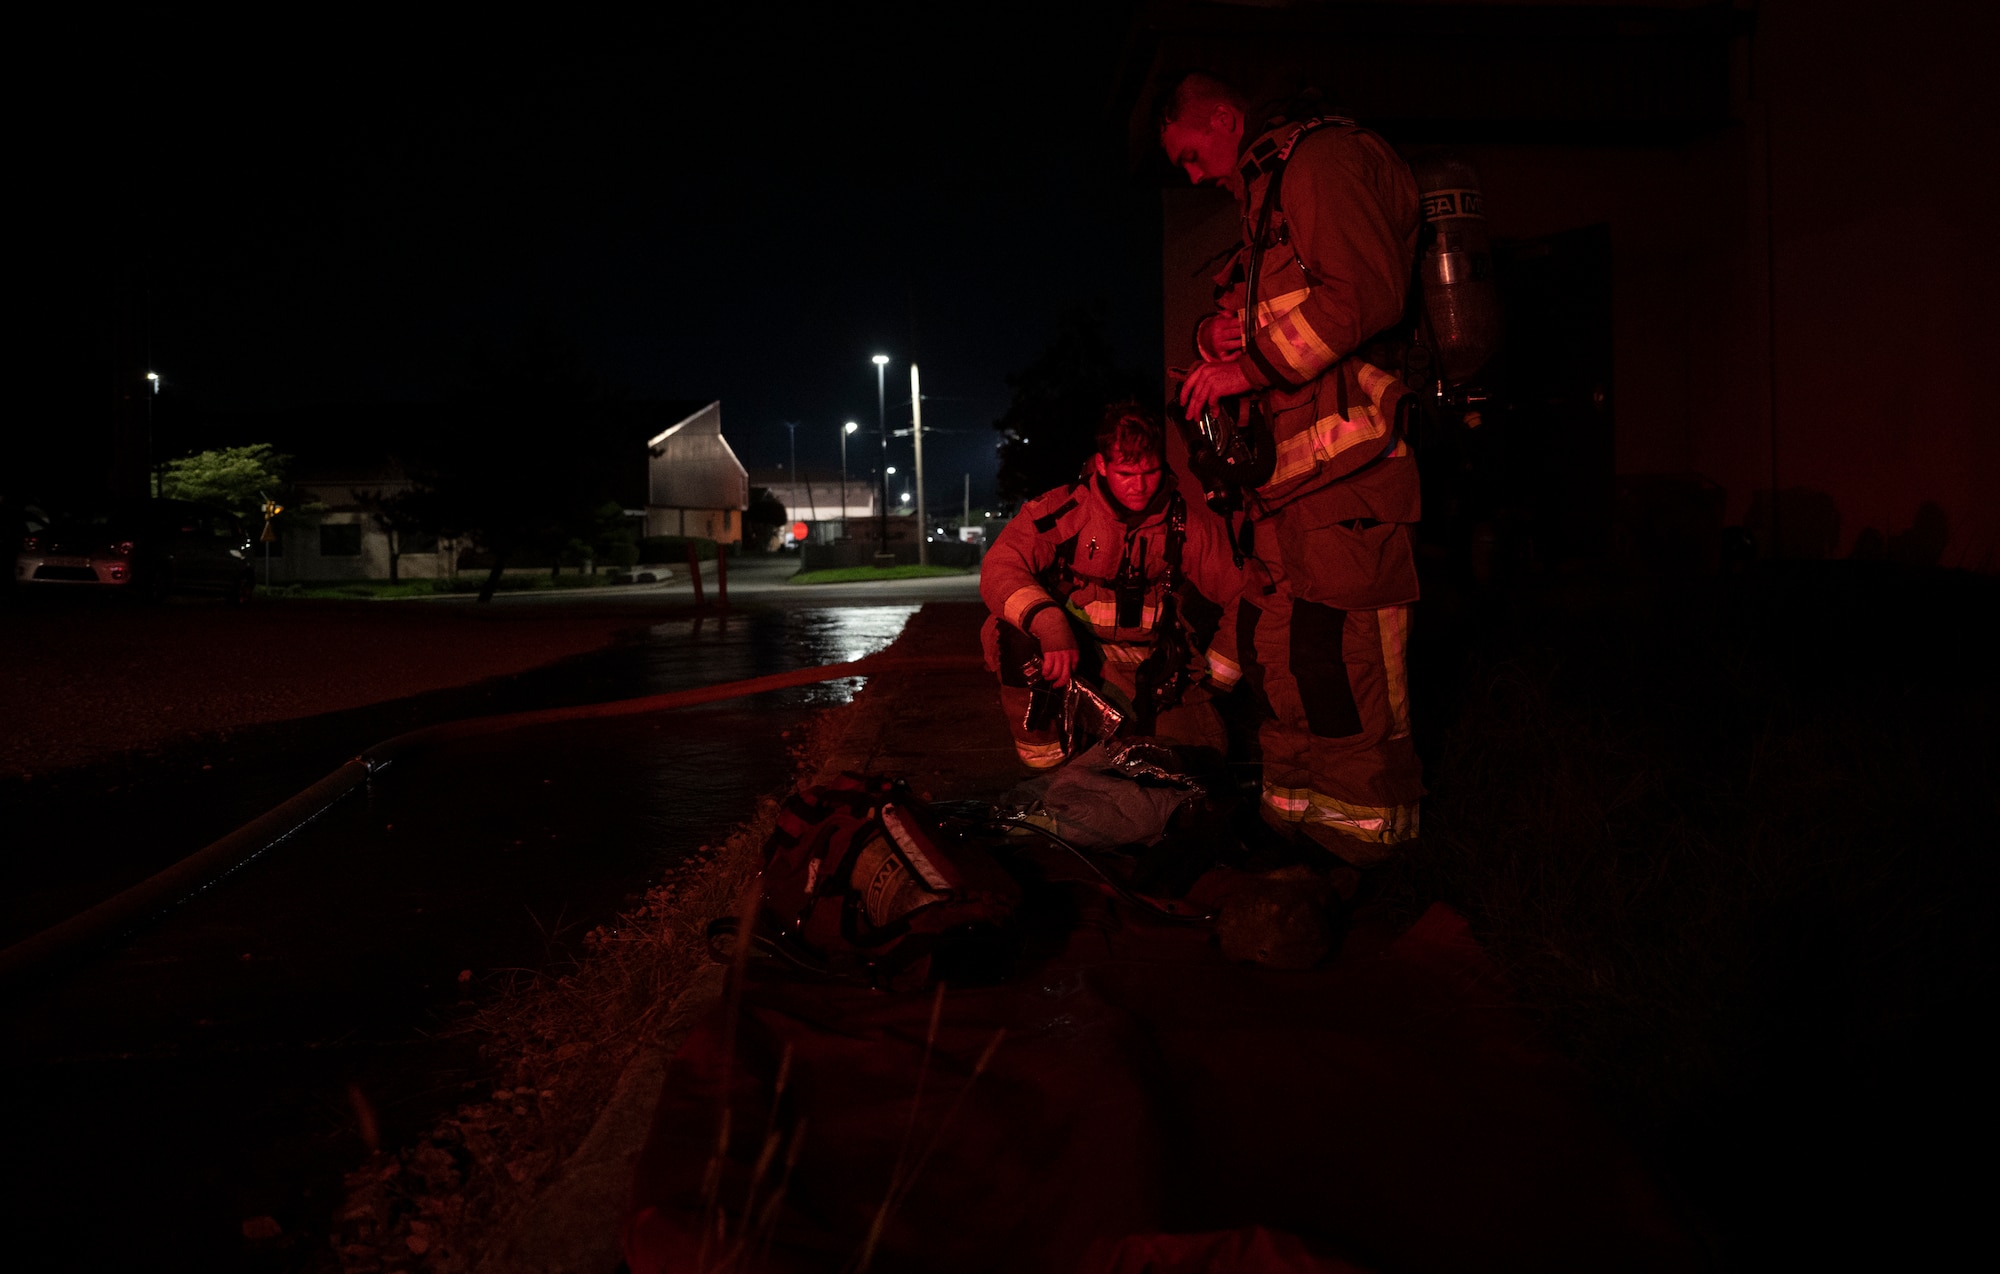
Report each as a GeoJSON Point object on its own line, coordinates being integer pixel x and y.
{"type": "Point", "coordinates": [743, 208]}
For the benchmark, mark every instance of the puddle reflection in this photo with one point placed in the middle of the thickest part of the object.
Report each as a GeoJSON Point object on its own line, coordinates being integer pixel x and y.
{"type": "Point", "coordinates": [714, 648]}
{"type": "Point", "coordinates": [336, 959]}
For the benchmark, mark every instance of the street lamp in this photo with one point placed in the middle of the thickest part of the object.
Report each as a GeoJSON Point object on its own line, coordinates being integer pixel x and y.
{"type": "Point", "coordinates": [153, 468]}
{"type": "Point", "coordinates": [882, 430]}
{"type": "Point", "coordinates": [847, 429]}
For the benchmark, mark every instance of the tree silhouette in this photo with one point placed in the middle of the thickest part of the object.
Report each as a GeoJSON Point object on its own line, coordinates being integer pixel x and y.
{"type": "Point", "coordinates": [518, 467]}
{"type": "Point", "coordinates": [399, 514]}
{"type": "Point", "coordinates": [1049, 427]}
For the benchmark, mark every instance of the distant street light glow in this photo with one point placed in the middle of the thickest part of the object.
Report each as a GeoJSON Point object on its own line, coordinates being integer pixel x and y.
{"type": "Point", "coordinates": [850, 428]}
{"type": "Point", "coordinates": [891, 471]}
{"type": "Point", "coordinates": [881, 360]}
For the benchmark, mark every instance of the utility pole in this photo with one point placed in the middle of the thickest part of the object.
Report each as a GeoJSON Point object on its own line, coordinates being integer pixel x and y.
{"type": "Point", "coordinates": [965, 517]}
{"type": "Point", "coordinates": [917, 434]}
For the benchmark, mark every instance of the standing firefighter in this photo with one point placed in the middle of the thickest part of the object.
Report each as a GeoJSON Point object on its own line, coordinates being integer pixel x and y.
{"type": "Point", "coordinates": [1327, 484]}
{"type": "Point", "coordinates": [1111, 582]}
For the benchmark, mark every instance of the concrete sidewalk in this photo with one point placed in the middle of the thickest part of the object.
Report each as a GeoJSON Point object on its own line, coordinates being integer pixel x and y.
{"type": "Point", "coordinates": [941, 731]}
{"type": "Point", "coordinates": [758, 580]}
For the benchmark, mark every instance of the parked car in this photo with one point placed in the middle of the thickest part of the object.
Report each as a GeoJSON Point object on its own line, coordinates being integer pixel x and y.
{"type": "Point", "coordinates": [146, 549]}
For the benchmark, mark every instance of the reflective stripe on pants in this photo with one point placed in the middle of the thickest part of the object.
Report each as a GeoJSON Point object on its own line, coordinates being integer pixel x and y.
{"type": "Point", "coordinates": [1338, 761]}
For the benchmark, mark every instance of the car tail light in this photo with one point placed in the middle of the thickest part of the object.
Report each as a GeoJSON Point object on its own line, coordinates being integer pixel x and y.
{"type": "Point", "coordinates": [123, 548]}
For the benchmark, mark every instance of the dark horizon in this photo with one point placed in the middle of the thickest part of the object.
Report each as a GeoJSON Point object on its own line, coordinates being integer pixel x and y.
{"type": "Point", "coordinates": [746, 210]}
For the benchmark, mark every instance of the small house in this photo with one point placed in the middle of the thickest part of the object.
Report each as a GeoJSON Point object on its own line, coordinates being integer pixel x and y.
{"type": "Point", "coordinates": [345, 531]}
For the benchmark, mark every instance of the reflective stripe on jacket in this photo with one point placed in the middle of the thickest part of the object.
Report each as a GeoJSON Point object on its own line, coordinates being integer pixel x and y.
{"type": "Point", "coordinates": [1066, 548]}
{"type": "Point", "coordinates": [1334, 272]}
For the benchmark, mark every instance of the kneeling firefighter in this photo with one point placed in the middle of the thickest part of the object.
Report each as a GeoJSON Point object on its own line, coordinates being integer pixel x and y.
{"type": "Point", "coordinates": [1109, 582]}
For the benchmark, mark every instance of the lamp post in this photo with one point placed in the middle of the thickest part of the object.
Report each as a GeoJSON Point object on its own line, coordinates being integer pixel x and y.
{"type": "Point", "coordinates": [882, 430]}
{"type": "Point", "coordinates": [846, 429]}
{"type": "Point", "coordinates": [152, 468]}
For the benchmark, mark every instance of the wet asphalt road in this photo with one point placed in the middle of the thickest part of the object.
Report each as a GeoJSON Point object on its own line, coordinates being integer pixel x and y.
{"type": "Point", "coordinates": [197, 1075]}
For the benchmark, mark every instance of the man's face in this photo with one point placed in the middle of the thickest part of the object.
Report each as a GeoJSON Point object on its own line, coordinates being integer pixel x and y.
{"type": "Point", "coordinates": [1133, 483]}
{"type": "Point", "coordinates": [1203, 144]}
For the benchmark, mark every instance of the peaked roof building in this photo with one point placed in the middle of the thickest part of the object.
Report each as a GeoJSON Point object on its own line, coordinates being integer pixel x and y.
{"type": "Point", "coordinates": [695, 485]}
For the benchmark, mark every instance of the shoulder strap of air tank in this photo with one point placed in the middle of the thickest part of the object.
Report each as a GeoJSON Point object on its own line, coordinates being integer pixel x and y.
{"type": "Point", "coordinates": [1272, 193]}
{"type": "Point", "coordinates": [1176, 538]}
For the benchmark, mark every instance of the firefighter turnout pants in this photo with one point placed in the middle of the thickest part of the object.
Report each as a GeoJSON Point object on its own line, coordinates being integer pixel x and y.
{"type": "Point", "coordinates": [1107, 669]}
{"type": "Point", "coordinates": [1333, 691]}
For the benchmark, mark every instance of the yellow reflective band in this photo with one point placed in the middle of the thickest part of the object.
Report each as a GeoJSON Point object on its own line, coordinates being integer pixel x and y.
{"type": "Point", "coordinates": [1378, 824]}
{"type": "Point", "coordinates": [1105, 615]}
{"type": "Point", "coordinates": [1018, 603]}
{"type": "Point", "coordinates": [1123, 652]}
{"type": "Point", "coordinates": [1375, 382]}
{"type": "Point", "coordinates": [1394, 621]}
{"type": "Point", "coordinates": [1327, 438]}
{"type": "Point", "coordinates": [1300, 346]}
{"type": "Point", "coordinates": [1278, 306]}
{"type": "Point", "coordinates": [1222, 670]}
{"type": "Point", "coordinates": [1292, 806]}
{"type": "Point", "coordinates": [1039, 756]}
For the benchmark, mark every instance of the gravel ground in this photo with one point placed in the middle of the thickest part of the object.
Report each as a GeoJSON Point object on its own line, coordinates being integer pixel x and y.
{"type": "Point", "coordinates": [80, 683]}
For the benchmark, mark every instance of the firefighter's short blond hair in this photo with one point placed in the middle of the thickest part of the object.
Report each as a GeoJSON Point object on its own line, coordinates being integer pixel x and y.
{"type": "Point", "coordinates": [1129, 432]}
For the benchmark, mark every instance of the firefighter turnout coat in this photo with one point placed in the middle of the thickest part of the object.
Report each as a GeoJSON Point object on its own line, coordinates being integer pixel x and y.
{"type": "Point", "coordinates": [1052, 575]}
{"type": "Point", "coordinates": [1322, 624]}
{"type": "Point", "coordinates": [1333, 272]}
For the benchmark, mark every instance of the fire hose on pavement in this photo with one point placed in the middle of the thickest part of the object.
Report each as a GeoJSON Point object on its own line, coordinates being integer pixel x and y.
{"type": "Point", "coordinates": [213, 863]}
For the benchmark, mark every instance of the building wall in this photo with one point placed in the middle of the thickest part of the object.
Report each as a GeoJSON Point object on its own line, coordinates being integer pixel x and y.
{"type": "Point", "coordinates": [1800, 299]}
{"type": "Point", "coordinates": [297, 555]}
{"type": "Point", "coordinates": [819, 499]}
{"type": "Point", "coordinates": [692, 466]}
{"type": "Point", "coordinates": [725, 526]}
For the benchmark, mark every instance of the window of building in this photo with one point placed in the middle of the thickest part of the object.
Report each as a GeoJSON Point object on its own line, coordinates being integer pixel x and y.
{"type": "Point", "coordinates": [417, 542]}
{"type": "Point", "coordinates": [727, 514]}
{"type": "Point", "coordinates": [340, 539]}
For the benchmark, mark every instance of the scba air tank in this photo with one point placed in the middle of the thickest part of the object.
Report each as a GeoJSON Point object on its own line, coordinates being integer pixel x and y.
{"type": "Point", "coordinates": [1459, 294]}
